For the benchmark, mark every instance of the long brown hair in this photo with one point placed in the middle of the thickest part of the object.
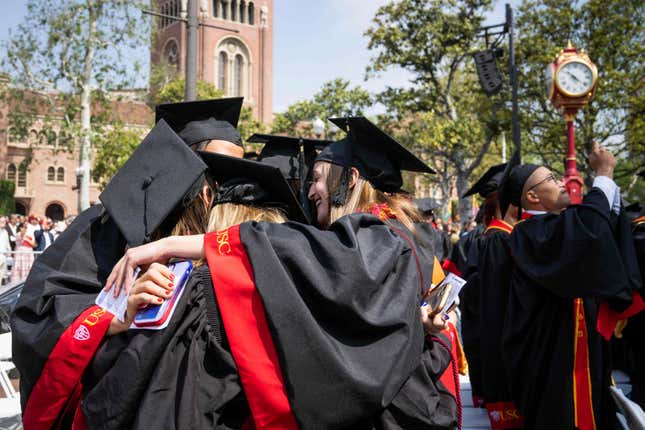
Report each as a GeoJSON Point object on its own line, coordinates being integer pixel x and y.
{"type": "Point", "coordinates": [363, 196]}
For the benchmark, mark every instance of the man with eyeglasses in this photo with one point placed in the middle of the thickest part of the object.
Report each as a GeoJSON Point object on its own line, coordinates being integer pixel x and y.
{"type": "Point", "coordinates": [569, 264]}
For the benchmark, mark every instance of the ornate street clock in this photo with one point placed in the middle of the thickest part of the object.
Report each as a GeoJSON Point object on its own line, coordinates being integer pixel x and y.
{"type": "Point", "coordinates": [571, 81]}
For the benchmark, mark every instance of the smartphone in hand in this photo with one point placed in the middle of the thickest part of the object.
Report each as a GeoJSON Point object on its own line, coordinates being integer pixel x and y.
{"type": "Point", "coordinates": [157, 315]}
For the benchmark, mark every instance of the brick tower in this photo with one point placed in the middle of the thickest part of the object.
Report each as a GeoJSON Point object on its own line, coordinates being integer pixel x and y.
{"type": "Point", "coordinates": [237, 56]}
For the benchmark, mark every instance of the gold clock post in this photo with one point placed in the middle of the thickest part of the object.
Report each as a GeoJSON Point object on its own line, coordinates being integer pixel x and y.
{"type": "Point", "coordinates": [571, 82]}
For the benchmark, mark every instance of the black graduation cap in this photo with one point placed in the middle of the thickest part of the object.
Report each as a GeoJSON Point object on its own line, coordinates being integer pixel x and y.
{"type": "Point", "coordinates": [161, 175]}
{"type": "Point", "coordinates": [294, 156]}
{"type": "Point", "coordinates": [284, 152]}
{"type": "Point", "coordinates": [377, 156]}
{"type": "Point", "coordinates": [202, 120]}
{"type": "Point", "coordinates": [512, 183]}
{"type": "Point", "coordinates": [252, 183]}
{"type": "Point", "coordinates": [427, 205]}
{"type": "Point", "coordinates": [488, 183]}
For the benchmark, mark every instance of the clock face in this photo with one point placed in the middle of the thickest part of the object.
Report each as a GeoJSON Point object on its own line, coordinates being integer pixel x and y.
{"type": "Point", "coordinates": [575, 78]}
{"type": "Point", "coordinates": [548, 80]}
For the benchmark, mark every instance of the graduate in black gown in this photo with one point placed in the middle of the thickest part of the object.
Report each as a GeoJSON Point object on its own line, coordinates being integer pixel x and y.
{"type": "Point", "coordinates": [493, 277]}
{"type": "Point", "coordinates": [565, 261]}
{"type": "Point", "coordinates": [634, 330]}
{"type": "Point", "coordinates": [428, 231]}
{"type": "Point", "coordinates": [60, 291]}
{"type": "Point", "coordinates": [324, 326]}
{"type": "Point", "coordinates": [471, 323]}
{"type": "Point", "coordinates": [55, 326]}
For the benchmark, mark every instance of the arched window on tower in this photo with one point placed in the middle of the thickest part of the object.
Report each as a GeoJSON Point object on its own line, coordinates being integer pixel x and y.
{"type": "Point", "coordinates": [51, 174]}
{"type": "Point", "coordinates": [222, 62]}
{"type": "Point", "coordinates": [216, 8]}
{"type": "Point", "coordinates": [33, 137]}
{"type": "Point", "coordinates": [251, 14]}
{"type": "Point", "coordinates": [11, 173]}
{"type": "Point", "coordinates": [224, 9]}
{"type": "Point", "coordinates": [237, 75]}
{"type": "Point", "coordinates": [171, 53]}
{"type": "Point", "coordinates": [243, 12]}
{"type": "Point", "coordinates": [234, 10]}
{"type": "Point", "coordinates": [234, 67]}
{"type": "Point", "coordinates": [22, 175]}
{"type": "Point", "coordinates": [163, 18]}
{"type": "Point", "coordinates": [60, 174]}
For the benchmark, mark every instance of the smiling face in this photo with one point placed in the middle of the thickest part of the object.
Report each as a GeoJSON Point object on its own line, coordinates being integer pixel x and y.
{"type": "Point", "coordinates": [319, 192]}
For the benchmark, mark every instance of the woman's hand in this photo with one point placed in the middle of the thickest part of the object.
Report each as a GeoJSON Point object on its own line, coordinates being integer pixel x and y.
{"type": "Point", "coordinates": [189, 247]}
{"type": "Point", "coordinates": [433, 324]}
{"type": "Point", "coordinates": [152, 288]}
{"type": "Point", "coordinates": [123, 272]}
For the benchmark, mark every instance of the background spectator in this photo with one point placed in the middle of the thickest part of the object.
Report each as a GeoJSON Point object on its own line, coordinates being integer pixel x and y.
{"type": "Point", "coordinates": [24, 257]}
{"type": "Point", "coordinates": [5, 248]}
{"type": "Point", "coordinates": [44, 236]}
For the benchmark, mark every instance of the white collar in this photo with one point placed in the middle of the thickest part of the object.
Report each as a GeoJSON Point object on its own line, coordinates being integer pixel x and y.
{"type": "Point", "coordinates": [532, 212]}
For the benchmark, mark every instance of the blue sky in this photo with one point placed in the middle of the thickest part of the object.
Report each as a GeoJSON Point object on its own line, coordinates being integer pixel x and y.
{"type": "Point", "coordinates": [314, 41]}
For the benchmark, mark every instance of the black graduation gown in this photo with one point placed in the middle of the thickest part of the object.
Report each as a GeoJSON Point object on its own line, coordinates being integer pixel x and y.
{"type": "Point", "coordinates": [181, 377]}
{"type": "Point", "coordinates": [470, 314]}
{"type": "Point", "coordinates": [633, 332]}
{"type": "Point", "coordinates": [58, 298]}
{"type": "Point", "coordinates": [558, 259]}
{"type": "Point", "coordinates": [340, 321]}
{"type": "Point", "coordinates": [494, 284]}
{"type": "Point", "coordinates": [460, 252]}
{"type": "Point", "coordinates": [436, 239]}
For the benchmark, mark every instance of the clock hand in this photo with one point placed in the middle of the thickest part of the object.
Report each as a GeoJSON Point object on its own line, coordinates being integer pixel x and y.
{"type": "Point", "coordinates": [575, 78]}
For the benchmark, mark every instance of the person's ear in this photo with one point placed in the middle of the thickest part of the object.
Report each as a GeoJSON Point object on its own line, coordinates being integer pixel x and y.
{"type": "Point", "coordinates": [353, 178]}
{"type": "Point", "coordinates": [207, 195]}
{"type": "Point", "coordinates": [532, 197]}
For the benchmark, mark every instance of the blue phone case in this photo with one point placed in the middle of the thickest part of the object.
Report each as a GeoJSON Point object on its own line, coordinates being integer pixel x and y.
{"type": "Point", "coordinates": [157, 314]}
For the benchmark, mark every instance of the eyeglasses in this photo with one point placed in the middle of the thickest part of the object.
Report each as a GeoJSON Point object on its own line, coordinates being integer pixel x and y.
{"type": "Point", "coordinates": [551, 177]}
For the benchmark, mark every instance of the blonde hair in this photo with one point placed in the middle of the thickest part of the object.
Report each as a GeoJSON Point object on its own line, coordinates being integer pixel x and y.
{"type": "Point", "coordinates": [225, 215]}
{"type": "Point", "coordinates": [363, 196]}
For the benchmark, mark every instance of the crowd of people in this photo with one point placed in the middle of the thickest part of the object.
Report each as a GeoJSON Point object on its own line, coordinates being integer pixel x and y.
{"type": "Point", "coordinates": [22, 238]}
{"type": "Point", "coordinates": [318, 298]}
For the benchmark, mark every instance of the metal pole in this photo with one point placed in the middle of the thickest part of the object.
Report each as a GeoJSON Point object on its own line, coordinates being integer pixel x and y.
{"type": "Point", "coordinates": [572, 180]}
{"type": "Point", "coordinates": [503, 147]}
{"type": "Point", "coordinates": [515, 118]}
{"type": "Point", "coordinates": [191, 51]}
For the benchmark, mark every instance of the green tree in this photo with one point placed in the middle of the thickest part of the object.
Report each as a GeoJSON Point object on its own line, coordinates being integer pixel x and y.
{"type": "Point", "coordinates": [72, 52]}
{"type": "Point", "coordinates": [114, 147]}
{"type": "Point", "coordinates": [442, 114]}
{"type": "Point", "coordinates": [612, 33]}
{"type": "Point", "coordinates": [335, 98]}
{"type": "Point", "coordinates": [7, 203]}
{"type": "Point", "coordinates": [173, 92]}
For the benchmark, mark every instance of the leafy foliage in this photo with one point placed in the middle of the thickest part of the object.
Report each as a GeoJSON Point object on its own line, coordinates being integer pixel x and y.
{"type": "Point", "coordinates": [62, 63]}
{"type": "Point", "coordinates": [441, 114]}
{"type": "Point", "coordinates": [7, 203]}
{"type": "Point", "coordinates": [113, 149]}
{"type": "Point", "coordinates": [335, 98]}
{"type": "Point", "coordinates": [615, 42]}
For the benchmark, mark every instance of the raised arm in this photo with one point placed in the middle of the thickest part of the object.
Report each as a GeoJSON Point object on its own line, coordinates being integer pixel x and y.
{"type": "Point", "coordinates": [190, 247]}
